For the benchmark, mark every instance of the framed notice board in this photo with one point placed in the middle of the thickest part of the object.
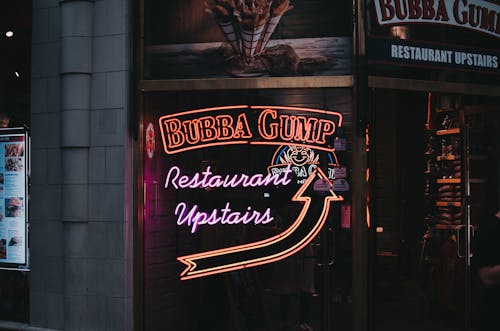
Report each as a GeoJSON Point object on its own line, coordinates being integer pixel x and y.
{"type": "Point", "coordinates": [14, 170]}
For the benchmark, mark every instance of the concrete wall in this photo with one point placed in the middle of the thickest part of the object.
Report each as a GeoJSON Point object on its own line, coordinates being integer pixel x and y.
{"type": "Point", "coordinates": [80, 228]}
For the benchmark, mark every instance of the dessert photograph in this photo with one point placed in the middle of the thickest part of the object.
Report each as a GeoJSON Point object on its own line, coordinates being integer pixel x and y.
{"type": "Point", "coordinates": [3, 248]}
{"type": "Point", "coordinates": [14, 164]}
{"type": "Point", "coordinates": [14, 150]}
{"type": "Point", "coordinates": [14, 207]}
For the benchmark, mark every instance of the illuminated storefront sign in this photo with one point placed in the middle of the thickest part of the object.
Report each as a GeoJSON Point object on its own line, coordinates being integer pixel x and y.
{"type": "Point", "coordinates": [300, 134]}
{"type": "Point", "coordinates": [478, 15]}
{"type": "Point", "coordinates": [434, 34]}
{"type": "Point", "coordinates": [191, 215]}
{"type": "Point", "coordinates": [412, 53]}
{"type": "Point", "coordinates": [303, 161]}
{"type": "Point", "coordinates": [257, 125]}
{"type": "Point", "coordinates": [307, 226]}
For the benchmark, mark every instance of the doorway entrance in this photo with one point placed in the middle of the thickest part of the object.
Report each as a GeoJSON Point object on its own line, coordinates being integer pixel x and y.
{"type": "Point", "coordinates": [435, 172]}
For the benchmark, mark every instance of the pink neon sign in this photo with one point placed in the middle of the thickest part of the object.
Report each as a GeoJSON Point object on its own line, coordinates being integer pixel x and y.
{"type": "Point", "coordinates": [207, 179]}
{"type": "Point", "coordinates": [305, 129]}
{"type": "Point", "coordinates": [194, 217]}
{"type": "Point", "coordinates": [306, 226]}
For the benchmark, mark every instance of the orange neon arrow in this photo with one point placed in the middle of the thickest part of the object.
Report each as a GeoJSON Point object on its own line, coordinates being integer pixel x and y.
{"type": "Point", "coordinates": [307, 226]}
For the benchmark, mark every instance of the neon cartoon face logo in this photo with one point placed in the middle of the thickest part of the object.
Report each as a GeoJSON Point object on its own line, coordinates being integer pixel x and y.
{"type": "Point", "coordinates": [299, 155]}
{"type": "Point", "coordinates": [303, 161]}
{"type": "Point", "coordinates": [300, 133]}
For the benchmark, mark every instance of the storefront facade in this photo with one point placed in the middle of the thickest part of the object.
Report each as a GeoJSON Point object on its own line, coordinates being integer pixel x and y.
{"type": "Point", "coordinates": [254, 165]}
{"type": "Point", "coordinates": [421, 92]}
{"type": "Point", "coordinates": [435, 113]}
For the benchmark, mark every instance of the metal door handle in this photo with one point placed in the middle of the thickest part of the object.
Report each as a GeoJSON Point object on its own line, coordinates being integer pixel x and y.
{"type": "Point", "coordinates": [471, 234]}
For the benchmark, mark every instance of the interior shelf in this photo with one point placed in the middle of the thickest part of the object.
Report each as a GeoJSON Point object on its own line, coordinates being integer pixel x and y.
{"type": "Point", "coordinates": [448, 204]}
{"type": "Point", "coordinates": [447, 158]}
{"type": "Point", "coordinates": [447, 226]}
{"type": "Point", "coordinates": [449, 181]}
{"type": "Point", "coordinates": [449, 131]}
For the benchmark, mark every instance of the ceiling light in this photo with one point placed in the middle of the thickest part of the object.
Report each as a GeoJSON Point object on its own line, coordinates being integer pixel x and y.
{"type": "Point", "coordinates": [17, 74]}
{"type": "Point", "coordinates": [9, 34]}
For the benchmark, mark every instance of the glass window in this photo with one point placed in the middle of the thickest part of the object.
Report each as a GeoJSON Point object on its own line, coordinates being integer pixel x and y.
{"type": "Point", "coordinates": [229, 241]}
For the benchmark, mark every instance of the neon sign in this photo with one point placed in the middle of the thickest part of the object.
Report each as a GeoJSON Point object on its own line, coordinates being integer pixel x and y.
{"type": "Point", "coordinates": [207, 179]}
{"type": "Point", "coordinates": [305, 227]}
{"type": "Point", "coordinates": [303, 161]}
{"type": "Point", "coordinates": [194, 217]}
{"type": "Point", "coordinates": [275, 125]}
{"type": "Point", "coordinates": [298, 132]}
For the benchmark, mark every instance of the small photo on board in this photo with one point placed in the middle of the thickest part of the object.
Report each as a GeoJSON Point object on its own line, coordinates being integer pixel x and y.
{"type": "Point", "coordinates": [14, 164]}
{"type": "Point", "coordinates": [14, 150]}
{"type": "Point", "coordinates": [1, 178]}
{"type": "Point", "coordinates": [3, 248]}
{"type": "Point", "coordinates": [14, 207]}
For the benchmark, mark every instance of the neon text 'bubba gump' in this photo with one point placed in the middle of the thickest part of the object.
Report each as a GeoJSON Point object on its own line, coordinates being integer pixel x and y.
{"type": "Point", "coordinates": [193, 217]}
{"type": "Point", "coordinates": [259, 125]}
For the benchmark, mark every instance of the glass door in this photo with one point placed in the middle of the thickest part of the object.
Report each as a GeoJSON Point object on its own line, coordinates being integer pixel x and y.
{"type": "Point", "coordinates": [434, 183]}
{"type": "Point", "coordinates": [482, 164]}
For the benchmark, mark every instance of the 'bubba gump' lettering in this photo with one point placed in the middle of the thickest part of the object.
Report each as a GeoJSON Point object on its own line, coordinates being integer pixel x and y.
{"type": "Point", "coordinates": [477, 15]}
{"type": "Point", "coordinates": [182, 132]}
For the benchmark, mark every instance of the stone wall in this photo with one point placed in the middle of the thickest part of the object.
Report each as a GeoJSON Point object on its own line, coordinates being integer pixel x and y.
{"type": "Point", "coordinates": [80, 225]}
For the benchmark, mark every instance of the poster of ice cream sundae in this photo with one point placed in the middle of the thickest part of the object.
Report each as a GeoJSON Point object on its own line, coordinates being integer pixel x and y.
{"type": "Point", "coordinates": [246, 38]}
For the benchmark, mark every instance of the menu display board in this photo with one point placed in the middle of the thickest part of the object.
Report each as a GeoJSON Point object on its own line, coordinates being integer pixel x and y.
{"type": "Point", "coordinates": [13, 198]}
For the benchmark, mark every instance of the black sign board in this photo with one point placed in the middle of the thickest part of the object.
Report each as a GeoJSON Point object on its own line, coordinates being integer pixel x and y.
{"type": "Point", "coordinates": [453, 38]}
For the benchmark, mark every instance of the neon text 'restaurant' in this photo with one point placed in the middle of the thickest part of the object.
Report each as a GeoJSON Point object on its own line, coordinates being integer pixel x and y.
{"type": "Point", "coordinates": [207, 179]}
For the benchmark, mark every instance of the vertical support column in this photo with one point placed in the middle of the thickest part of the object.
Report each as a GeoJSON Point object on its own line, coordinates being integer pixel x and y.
{"type": "Point", "coordinates": [361, 270]}
{"type": "Point", "coordinates": [75, 78]}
